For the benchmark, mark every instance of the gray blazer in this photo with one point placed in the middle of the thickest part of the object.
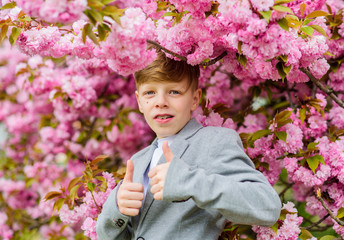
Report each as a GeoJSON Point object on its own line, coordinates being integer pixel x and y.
{"type": "Point", "coordinates": [210, 179]}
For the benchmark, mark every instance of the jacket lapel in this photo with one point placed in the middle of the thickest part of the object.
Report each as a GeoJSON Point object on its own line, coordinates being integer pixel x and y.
{"type": "Point", "coordinates": [178, 147]}
{"type": "Point", "coordinates": [141, 167]}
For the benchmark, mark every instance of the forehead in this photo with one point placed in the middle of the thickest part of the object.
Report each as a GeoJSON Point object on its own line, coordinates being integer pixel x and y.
{"type": "Point", "coordinates": [163, 83]}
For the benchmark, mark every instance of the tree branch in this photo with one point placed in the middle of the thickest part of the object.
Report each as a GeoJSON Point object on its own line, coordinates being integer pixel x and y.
{"type": "Point", "coordinates": [205, 64]}
{"type": "Point", "coordinates": [322, 87]}
{"type": "Point", "coordinates": [316, 223]}
{"type": "Point", "coordinates": [318, 195]}
{"type": "Point", "coordinates": [158, 46]}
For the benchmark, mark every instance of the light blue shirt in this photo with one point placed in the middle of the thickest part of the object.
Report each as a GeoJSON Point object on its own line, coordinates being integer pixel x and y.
{"type": "Point", "coordinates": [155, 159]}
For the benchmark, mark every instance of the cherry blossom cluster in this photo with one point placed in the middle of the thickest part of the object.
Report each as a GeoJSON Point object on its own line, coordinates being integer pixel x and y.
{"type": "Point", "coordinates": [67, 96]}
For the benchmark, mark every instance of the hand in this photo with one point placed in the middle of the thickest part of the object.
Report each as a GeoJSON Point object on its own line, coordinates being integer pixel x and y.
{"type": "Point", "coordinates": [130, 195]}
{"type": "Point", "coordinates": [158, 174]}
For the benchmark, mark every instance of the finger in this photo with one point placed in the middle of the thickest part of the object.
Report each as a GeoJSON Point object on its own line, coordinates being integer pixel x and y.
{"type": "Point", "coordinates": [158, 195]}
{"type": "Point", "coordinates": [133, 187]}
{"type": "Point", "coordinates": [167, 151]}
{"type": "Point", "coordinates": [132, 204]}
{"type": "Point", "coordinates": [152, 172]}
{"type": "Point", "coordinates": [155, 188]}
{"type": "Point", "coordinates": [130, 211]}
{"type": "Point", "coordinates": [128, 178]}
{"type": "Point", "coordinates": [154, 181]}
{"type": "Point", "coordinates": [127, 195]}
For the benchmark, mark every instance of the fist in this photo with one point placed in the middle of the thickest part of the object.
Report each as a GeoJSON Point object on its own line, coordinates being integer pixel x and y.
{"type": "Point", "coordinates": [158, 174]}
{"type": "Point", "coordinates": [130, 194]}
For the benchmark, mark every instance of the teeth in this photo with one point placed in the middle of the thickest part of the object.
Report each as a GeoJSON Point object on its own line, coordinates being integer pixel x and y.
{"type": "Point", "coordinates": [163, 117]}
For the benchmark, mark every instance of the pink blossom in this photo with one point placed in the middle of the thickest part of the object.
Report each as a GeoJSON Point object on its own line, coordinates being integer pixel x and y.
{"type": "Point", "coordinates": [319, 68]}
{"type": "Point", "coordinates": [89, 226]}
{"type": "Point", "coordinates": [294, 139]}
{"type": "Point", "coordinates": [262, 5]}
{"type": "Point", "coordinates": [288, 229]}
{"type": "Point", "coordinates": [36, 41]}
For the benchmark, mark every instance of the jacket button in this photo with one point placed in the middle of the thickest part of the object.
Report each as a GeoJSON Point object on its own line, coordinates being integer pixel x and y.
{"type": "Point", "coordinates": [140, 238]}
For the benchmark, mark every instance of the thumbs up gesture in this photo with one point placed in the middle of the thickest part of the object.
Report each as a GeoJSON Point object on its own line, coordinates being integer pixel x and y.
{"type": "Point", "coordinates": [158, 174]}
{"type": "Point", "coordinates": [130, 194]}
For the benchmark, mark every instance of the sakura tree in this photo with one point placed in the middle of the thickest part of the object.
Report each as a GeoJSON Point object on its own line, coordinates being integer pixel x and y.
{"type": "Point", "coordinates": [271, 70]}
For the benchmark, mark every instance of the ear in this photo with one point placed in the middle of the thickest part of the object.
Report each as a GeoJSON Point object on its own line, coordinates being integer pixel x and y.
{"type": "Point", "coordinates": [138, 100]}
{"type": "Point", "coordinates": [196, 97]}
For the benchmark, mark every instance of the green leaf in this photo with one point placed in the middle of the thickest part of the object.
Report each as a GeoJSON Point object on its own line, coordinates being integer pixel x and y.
{"type": "Point", "coordinates": [74, 192]}
{"type": "Point", "coordinates": [87, 31]}
{"type": "Point", "coordinates": [340, 213]}
{"type": "Point", "coordinates": [319, 29]}
{"type": "Point", "coordinates": [307, 21]}
{"type": "Point", "coordinates": [52, 195]}
{"type": "Point", "coordinates": [319, 158]}
{"type": "Point", "coordinates": [313, 162]}
{"type": "Point", "coordinates": [266, 15]}
{"type": "Point", "coordinates": [317, 13]}
{"type": "Point", "coordinates": [95, 3]}
{"type": "Point", "coordinates": [284, 115]}
{"type": "Point", "coordinates": [275, 227]}
{"type": "Point", "coordinates": [9, 5]}
{"type": "Point", "coordinates": [170, 14]}
{"type": "Point", "coordinates": [286, 69]}
{"type": "Point", "coordinates": [327, 237]}
{"type": "Point", "coordinates": [278, 2]}
{"type": "Point", "coordinates": [99, 158]}
{"type": "Point", "coordinates": [302, 114]}
{"type": "Point", "coordinates": [102, 32]}
{"type": "Point", "coordinates": [282, 136]}
{"type": "Point", "coordinates": [94, 16]}
{"type": "Point", "coordinates": [305, 234]}
{"type": "Point", "coordinates": [284, 58]}
{"type": "Point", "coordinates": [58, 204]}
{"type": "Point", "coordinates": [14, 35]}
{"type": "Point", "coordinates": [308, 30]}
{"type": "Point", "coordinates": [293, 21]}
{"type": "Point", "coordinates": [72, 183]}
{"type": "Point", "coordinates": [4, 30]}
{"type": "Point", "coordinates": [280, 70]}
{"type": "Point", "coordinates": [282, 9]}
{"type": "Point", "coordinates": [302, 8]}
{"type": "Point", "coordinates": [312, 145]}
{"type": "Point", "coordinates": [91, 186]}
{"type": "Point", "coordinates": [242, 60]}
{"type": "Point", "coordinates": [327, 53]}
{"type": "Point", "coordinates": [257, 135]}
{"type": "Point", "coordinates": [105, 2]}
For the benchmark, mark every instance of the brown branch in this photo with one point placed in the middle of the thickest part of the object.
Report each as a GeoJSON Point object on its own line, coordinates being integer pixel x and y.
{"type": "Point", "coordinates": [330, 93]}
{"type": "Point", "coordinates": [316, 223]}
{"type": "Point", "coordinates": [158, 46]}
{"type": "Point", "coordinates": [213, 61]}
{"type": "Point", "coordinates": [205, 64]}
{"type": "Point", "coordinates": [318, 195]}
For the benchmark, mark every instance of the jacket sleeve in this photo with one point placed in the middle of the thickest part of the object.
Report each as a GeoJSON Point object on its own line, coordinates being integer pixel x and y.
{"type": "Point", "coordinates": [230, 184]}
{"type": "Point", "coordinates": [111, 223]}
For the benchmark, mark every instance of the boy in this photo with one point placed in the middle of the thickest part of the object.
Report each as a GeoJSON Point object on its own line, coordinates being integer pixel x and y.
{"type": "Point", "coordinates": [191, 178]}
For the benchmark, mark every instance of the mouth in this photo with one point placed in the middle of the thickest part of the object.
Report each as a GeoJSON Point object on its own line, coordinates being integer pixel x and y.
{"type": "Point", "coordinates": [163, 116]}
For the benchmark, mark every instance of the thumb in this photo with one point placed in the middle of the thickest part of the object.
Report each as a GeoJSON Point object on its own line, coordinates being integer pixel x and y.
{"type": "Point", "coordinates": [167, 151]}
{"type": "Point", "coordinates": [128, 177]}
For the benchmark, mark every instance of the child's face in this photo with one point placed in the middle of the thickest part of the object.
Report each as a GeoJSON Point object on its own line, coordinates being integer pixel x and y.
{"type": "Point", "coordinates": [167, 106]}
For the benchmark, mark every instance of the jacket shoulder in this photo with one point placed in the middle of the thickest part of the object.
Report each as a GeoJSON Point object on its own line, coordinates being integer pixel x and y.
{"type": "Point", "coordinates": [211, 131]}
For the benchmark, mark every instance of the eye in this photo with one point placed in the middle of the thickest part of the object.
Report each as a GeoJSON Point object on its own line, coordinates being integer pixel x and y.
{"type": "Point", "coordinates": [148, 93]}
{"type": "Point", "coordinates": [174, 92]}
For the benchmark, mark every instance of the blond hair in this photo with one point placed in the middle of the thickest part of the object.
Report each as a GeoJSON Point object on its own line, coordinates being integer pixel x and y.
{"type": "Point", "coordinates": [167, 69]}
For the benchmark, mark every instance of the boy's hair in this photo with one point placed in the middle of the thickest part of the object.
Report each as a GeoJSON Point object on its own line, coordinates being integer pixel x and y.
{"type": "Point", "coordinates": [167, 69]}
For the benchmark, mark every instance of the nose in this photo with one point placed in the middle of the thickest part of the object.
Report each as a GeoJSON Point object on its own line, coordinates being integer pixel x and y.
{"type": "Point", "coordinates": [161, 101]}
